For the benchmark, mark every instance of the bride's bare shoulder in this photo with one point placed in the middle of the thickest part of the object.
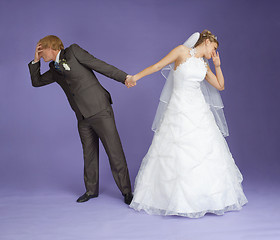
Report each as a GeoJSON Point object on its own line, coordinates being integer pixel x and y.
{"type": "Point", "coordinates": [184, 51]}
{"type": "Point", "coordinates": [183, 48]}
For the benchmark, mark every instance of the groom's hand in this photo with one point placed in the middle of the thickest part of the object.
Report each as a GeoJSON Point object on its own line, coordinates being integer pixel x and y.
{"type": "Point", "coordinates": [38, 52]}
{"type": "Point", "coordinates": [130, 81]}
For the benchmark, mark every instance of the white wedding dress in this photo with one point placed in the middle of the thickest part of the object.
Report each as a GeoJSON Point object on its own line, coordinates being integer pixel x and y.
{"type": "Point", "coordinates": [188, 170]}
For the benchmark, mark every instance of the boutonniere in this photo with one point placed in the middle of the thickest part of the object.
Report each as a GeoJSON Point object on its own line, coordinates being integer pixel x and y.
{"type": "Point", "coordinates": [65, 65]}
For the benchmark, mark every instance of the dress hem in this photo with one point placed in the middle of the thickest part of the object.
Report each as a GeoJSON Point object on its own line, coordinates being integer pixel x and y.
{"type": "Point", "coordinates": [155, 211]}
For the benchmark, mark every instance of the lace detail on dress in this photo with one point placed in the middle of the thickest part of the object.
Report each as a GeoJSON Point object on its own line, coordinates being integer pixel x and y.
{"type": "Point", "coordinates": [192, 58]}
{"type": "Point", "coordinates": [192, 52]}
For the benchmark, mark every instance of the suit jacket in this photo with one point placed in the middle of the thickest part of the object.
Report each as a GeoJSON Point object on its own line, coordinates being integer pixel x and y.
{"type": "Point", "coordinates": [84, 92]}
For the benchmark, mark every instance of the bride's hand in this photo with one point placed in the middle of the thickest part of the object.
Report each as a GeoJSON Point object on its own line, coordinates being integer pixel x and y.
{"type": "Point", "coordinates": [130, 81]}
{"type": "Point", "coordinates": [216, 59]}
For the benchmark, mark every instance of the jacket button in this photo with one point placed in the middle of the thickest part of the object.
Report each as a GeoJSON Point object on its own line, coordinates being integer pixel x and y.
{"type": "Point", "coordinates": [73, 94]}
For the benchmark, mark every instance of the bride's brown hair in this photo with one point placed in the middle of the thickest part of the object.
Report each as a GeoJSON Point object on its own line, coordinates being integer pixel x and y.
{"type": "Point", "coordinates": [206, 34]}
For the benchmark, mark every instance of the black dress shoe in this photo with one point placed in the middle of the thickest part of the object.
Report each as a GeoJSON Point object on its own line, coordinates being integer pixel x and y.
{"type": "Point", "coordinates": [86, 197]}
{"type": "Point", "coordinates": [128, 198]}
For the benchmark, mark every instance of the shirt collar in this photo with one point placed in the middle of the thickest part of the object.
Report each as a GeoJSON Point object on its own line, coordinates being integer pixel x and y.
{"type": "Point", "coordinates": [57, 57]}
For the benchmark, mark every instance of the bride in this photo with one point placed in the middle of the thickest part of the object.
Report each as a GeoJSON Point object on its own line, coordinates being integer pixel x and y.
{"type": "Point", "coordinates": [189, 170]}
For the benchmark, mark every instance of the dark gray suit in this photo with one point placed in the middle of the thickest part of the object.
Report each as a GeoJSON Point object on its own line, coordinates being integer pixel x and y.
{"type": "Point", "coordinates": [92, 106]}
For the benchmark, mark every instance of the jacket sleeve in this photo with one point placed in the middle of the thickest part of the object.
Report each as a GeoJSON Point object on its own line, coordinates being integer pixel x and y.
{"type": "Point", "coordinates": [37, 79]}
{"type": "Point", "coordinates": [97, 65]}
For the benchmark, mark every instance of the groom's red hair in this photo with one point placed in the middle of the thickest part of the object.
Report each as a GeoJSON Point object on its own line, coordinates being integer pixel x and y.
{"type": "Point", "coordinates": [52, 42]}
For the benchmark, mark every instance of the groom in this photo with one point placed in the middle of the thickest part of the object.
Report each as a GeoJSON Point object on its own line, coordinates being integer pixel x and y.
{"type": "Point", "coordinates": [72, 69]}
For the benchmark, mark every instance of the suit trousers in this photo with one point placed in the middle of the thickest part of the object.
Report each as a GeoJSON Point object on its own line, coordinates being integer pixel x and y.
{"type": "Point", "coordinates": [102, 125]}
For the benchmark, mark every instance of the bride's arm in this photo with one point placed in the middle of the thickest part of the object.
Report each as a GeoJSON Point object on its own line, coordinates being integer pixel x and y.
{"type": "Point", "coordinates": [169, 58]}
{"type": "Point", "coordinates": [217, 80]}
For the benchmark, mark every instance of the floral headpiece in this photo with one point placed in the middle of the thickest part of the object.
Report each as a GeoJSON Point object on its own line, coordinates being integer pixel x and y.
{"type": "Point", "coordinates": [211, 35]}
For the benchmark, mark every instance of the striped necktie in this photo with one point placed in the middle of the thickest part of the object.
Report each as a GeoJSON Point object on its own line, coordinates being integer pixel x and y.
{"type": "Point", "coordinates": [56, 66]}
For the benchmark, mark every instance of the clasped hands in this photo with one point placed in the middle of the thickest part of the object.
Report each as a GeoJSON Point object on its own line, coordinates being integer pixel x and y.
{"type": "Point", "coordinates": [130, 81]}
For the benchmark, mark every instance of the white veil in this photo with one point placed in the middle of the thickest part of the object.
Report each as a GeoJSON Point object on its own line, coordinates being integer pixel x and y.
{"type": "Point", "coordinates": [211, 94]}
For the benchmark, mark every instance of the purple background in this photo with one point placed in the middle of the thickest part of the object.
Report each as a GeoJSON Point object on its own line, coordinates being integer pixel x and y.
{"type": "Point", "coordinates": [40, 149]}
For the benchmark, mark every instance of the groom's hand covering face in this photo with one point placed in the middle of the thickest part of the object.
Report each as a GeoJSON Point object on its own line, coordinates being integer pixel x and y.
{"type": "Point", "coordinates": [38, 52]}
{"type": "Point", "coordinates": [45, 53]}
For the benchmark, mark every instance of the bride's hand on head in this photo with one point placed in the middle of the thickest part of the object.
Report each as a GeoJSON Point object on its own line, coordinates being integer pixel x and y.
{"type": "Point", "coordinates": [216, 59]}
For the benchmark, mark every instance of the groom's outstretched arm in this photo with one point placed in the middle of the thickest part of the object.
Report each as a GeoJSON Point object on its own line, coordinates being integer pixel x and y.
{"type": "Point", "coordinates": [97, 65]}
